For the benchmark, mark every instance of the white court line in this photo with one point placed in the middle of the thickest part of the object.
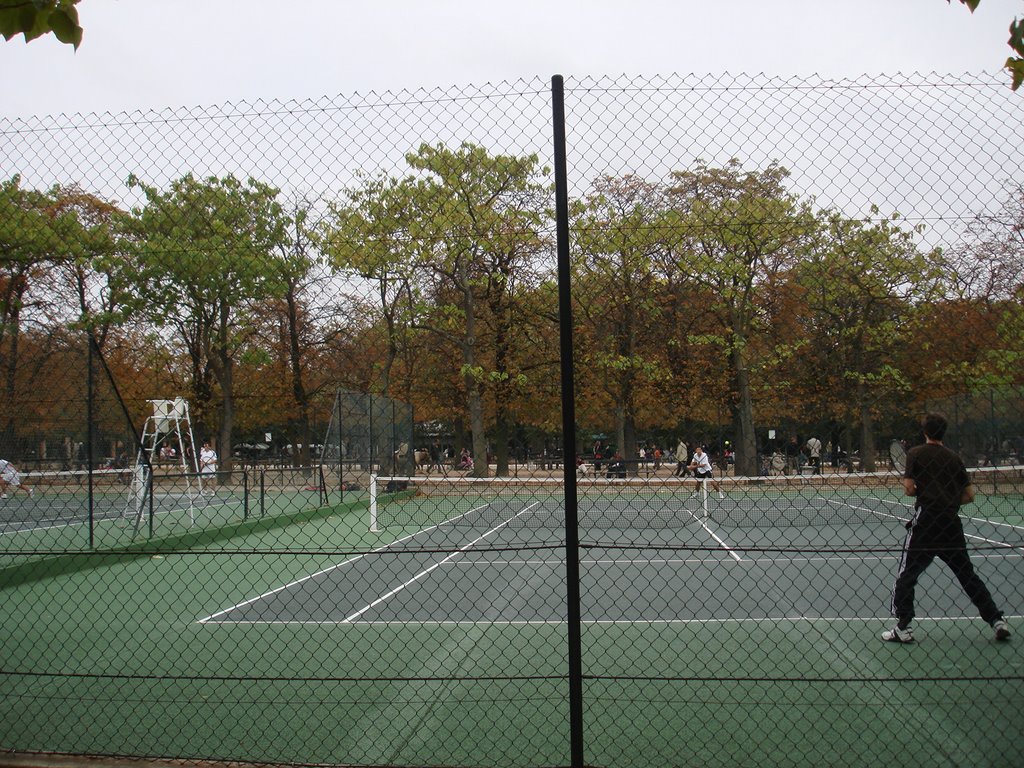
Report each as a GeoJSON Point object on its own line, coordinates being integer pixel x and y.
{"type": "Point", "coordinates": [210, 619]}
{"type": "Point", "coordinates": [721, 541]}
{"type": "Point", "coordinates": [995, 523]}
{"type": "Point", "coordinates": [844, 557]}
{"type": "Point", "coordinates": [438, 564]}
{"type": "Point", "coordinates": [296, 582]}
{"type": "Point", "coordinates": [989, 541]}
{"type": "Point", "coordinates": [985, 520]}
{"type": "Point", "coordinates": [57, 527]}
{"type": "Point", "coordinates": [966, 535]}
{"type": "Point", "coordinates": [349, 561]}
{"type": "Point", "coordinates": [869, 510]}
{"type": "Point", "coordinates": [894, 517]}
{"type": "Point", "coordinates": [703, 524]}
{"type": "Point", "coordinates": [534, 563]}
{"type": "Point", "coordinates": [525, 622]}
{"type": "Point", "coordinates": [625, 622]}
{"type": "Point", "coordinates": [690, 561]}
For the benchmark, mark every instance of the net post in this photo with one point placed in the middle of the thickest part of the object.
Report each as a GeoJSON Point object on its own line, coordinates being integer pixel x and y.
{"type": "Point", "coordinates": [321, 481]}
{"type": "Point", "coordinates": [90, 398]}
{"type": "Point", "coordinates": [704, 496]}
{"type": "Point", "coordinates": [263, 491]}
{"type": "Point", "coordinates": [245, 494]}
{"type": "Point", "coordinates": [373, 504]}
{"type": "Point", "coordinates": [149, 491]}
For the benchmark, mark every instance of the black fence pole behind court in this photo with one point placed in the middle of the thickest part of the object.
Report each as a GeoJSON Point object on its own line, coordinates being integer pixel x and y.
{"type": "Point", "coordinates": [89, 421]}
{"type": "Point", "coordinates": [572, 535]}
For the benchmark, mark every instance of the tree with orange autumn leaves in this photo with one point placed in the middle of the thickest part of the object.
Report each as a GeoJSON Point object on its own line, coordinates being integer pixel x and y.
{"type": "Point", "coordinates": [716, 300]}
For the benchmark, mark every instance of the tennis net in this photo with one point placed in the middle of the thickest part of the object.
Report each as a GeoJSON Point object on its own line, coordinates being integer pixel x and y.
{"type": "Point", "coordinates": [640, 502]}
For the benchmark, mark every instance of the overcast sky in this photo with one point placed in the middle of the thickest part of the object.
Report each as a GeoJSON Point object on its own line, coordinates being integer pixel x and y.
{"type": "Point", "coordinates": [143, 54]}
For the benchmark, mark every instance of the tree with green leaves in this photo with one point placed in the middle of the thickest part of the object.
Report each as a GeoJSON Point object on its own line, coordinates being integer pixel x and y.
{"type": "Point", "coordinates": [55, 250]}
{"type": "Point", "coordinates": [28, 244]}
{"type": "Point", "coordinates": [616, 231]}
{"type": "Point", "coordinates": [368, 236]}
{"type": "Point", "coordinates": [1015, 64]}
{"type": "Point", "coordinates": [861, 286]}
{"type": "Point", "coordinates": [94, 230]}
{"type": "Point", "coordinates": [477, 235]}
{"type": "Point", "coordinates": [292, 329]}
{"type": "Point", "coordinates": [986, 280]}
{"type": "Point", "coordinates": [734, 233]}
{"type": "Point", "coordinates": [35, 18]}
{"type": "Point", "coordinates": [203, 257]}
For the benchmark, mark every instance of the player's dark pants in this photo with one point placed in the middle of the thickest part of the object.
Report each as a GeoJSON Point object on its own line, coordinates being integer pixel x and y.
{"type": "Point", "coordinates": [939, 536]}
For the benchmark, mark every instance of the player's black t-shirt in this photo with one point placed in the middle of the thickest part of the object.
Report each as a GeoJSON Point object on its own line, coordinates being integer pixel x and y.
{"type": "Point", "coordinates": [940, 477]}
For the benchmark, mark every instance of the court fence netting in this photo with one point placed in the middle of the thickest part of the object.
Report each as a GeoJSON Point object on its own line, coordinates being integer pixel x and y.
{"type": "Point", "coordinates": [466, 358]}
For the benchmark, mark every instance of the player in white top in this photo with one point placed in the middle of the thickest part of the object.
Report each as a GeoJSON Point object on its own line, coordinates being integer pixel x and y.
{"type": "Point", "coordinates": [11, 479]}
{"type": "Point", "coordinates": [208, 465]}
{"type": "Point", "coordinates": [702, 469]}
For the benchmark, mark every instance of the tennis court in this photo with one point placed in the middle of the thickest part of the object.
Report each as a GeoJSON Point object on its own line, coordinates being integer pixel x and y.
{"type": "Point", "coordinates": [740, 540]}
{"type": "Point", "coordinates": [712, 622]}
{"type": "Point", "coordinates": [678, 534]}
{"type": "Point", "coordinates": [101, 509]}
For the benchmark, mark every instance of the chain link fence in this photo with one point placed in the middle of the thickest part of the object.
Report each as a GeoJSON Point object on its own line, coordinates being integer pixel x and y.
{"type": "Point", "coordinates": [774, 278]}
{"type": "Point", "coordinates": [368, 435]}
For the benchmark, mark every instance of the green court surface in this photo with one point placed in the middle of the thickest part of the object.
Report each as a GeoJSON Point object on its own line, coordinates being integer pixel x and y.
{"type": "Point", "coordinates": [297, 635]}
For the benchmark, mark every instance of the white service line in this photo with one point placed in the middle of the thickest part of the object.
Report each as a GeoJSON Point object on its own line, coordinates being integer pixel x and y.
{"type": "Point", "coordinates": [343, 563]}
{"type": "Point", "coordinates": [869, 510]}
{"type": "Point", "coordinates": [558, 622]}
{"type": "Point", "coordinates": [721, 541]}
{"type": "Point", "coordinates": [995, 523]}
{"type": "Point", "coordinates": [439, 563]}
{"type": "Point", "coordinates": [989, 541]}
{"type": "Point", "coordinates": [334, 567]}
{"type": "Point", "coordinates": [985, 520]}
{"type": "Point", "coordinates": [966, 535]}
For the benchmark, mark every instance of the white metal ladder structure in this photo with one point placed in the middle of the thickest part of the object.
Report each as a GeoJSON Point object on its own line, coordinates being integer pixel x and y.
{"type": "Point", "coordinates": [169, 423]}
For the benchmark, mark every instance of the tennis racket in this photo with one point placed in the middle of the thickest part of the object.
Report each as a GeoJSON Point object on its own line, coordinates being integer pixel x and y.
{"type": "Point", "coordinates": [898, 454]}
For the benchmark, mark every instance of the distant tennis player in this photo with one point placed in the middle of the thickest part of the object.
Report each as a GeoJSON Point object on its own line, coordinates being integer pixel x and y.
{"type": "Point", "coordinates": [208, 466]}
{"type": "Point", "coordinates": [700, 465]}
{"type": "Point", "coordinates": [938, 480]}
{"type": "Point", "coordinates": [10, 479]}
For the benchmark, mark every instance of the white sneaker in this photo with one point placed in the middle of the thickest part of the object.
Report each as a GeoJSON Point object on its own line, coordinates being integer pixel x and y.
{"type": "Point", "coordinates": [897, 635]}
{"type": "Point", "coordinates": [1002, 630]}
{"type": "Point", "coordinates": [31, 492]}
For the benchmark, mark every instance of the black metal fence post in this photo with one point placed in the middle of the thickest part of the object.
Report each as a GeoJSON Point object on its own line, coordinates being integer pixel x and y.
{"type": "Point", "coordinates": [572, 554]}
{"type": "Point", "coordinates": [90, 396]}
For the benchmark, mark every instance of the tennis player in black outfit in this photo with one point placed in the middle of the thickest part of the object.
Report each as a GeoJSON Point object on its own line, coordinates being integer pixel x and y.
{"type": "Point", "coordinates": [938, 480]}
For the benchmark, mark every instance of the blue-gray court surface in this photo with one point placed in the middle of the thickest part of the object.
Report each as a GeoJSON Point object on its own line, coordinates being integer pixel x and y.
{"type": "Point", "coordinates": [679, 554]}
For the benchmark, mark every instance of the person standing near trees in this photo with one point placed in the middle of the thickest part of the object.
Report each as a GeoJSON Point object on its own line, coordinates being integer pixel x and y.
{"type": "Point", "coordinates": [208, 465]}
{"type": "Point", "coordinates": [813, 446]}
{"type": "Point", "coordinates": [792, 453]}
{"type": "Point", "coordinates": [682, 454]}
{"type": "Point", "coordinates": [702, 469]}
{"type": "Point", "coordinates": [938, 481]}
